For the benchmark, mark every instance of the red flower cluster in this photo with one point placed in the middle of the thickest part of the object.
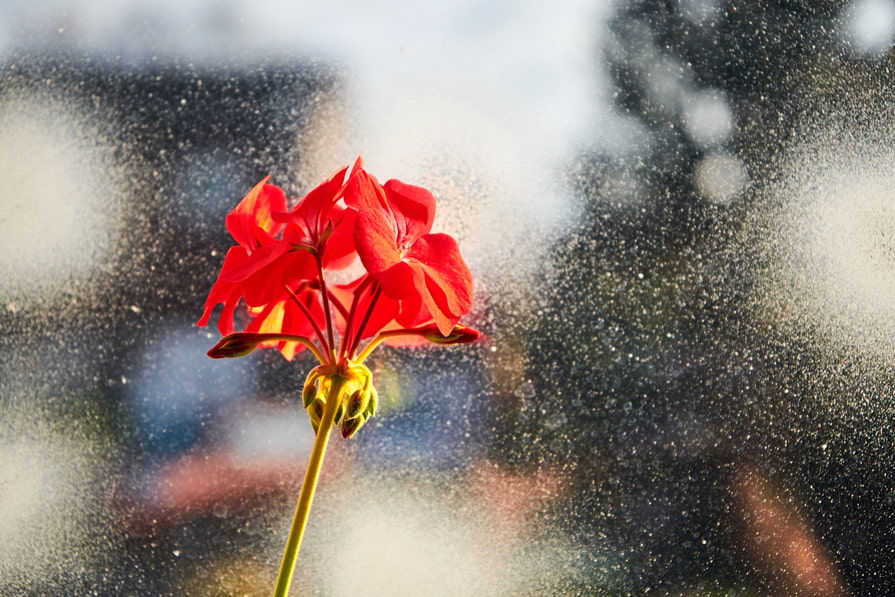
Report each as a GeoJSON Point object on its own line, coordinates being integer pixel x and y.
{"type": "Point", "coordinates": [412, 283]}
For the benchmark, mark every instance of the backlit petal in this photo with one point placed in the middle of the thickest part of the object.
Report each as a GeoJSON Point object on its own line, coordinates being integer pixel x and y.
{"type": "Point", "coordinates": [375, 242]}
{"type": "Point", "coordinates": [252, 218]}
{"type": "Point", "coordinates": [447, 277]}
{"type": "Point", "coordinates": [413, 209]}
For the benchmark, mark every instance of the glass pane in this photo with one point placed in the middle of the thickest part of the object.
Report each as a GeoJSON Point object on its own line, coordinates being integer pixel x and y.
{"type": "Point", "coordinates": [680, 220]}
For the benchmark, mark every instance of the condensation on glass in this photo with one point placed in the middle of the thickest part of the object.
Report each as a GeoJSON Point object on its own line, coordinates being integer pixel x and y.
{"type": "Point", "coordinates": [681, 220]}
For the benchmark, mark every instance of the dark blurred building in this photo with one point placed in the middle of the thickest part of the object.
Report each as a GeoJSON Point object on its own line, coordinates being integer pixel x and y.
{"type": "Point", "coordinates": [190, 140]}
{"type": "Point", "coordinates": [653, 381]}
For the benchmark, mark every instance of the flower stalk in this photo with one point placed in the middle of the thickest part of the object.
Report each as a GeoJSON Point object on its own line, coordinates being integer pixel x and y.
{"type": "Point", "coordinates": [308, 489]}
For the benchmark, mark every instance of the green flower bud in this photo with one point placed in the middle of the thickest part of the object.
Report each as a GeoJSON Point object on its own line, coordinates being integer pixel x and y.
{"type": "Point", "coordinates": [372, 403]}
{"type": "Point", "coordinates": [357, 404]}
{"type": "Point", "coordinates": [236, 345]}
{"type": "Point", "coordinates": [316, 408]}
{"type": "Point", "coordinates": [459, 335]}
{"type": "Point", "coordinates": [340, 412]}
{"type": "Point", "coordinates": [309, 393]}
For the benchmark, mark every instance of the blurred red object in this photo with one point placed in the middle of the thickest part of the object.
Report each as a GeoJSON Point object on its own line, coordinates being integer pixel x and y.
{"type": "Point", "coordinates": [786, 554]}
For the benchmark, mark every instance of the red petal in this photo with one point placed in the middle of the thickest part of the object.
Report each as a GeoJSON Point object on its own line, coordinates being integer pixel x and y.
{"type": "Point", "coordinates": [447, 278]}
{"type": "Point", "coordinates": [310, 213]}
{"type": "Point", "coordinates": [365, 193]}
{"type": "Point", "coordinates": [374, 239]}
{"type": "Point", "coordinates": [413, 209]}
{"type": "Point", "coordinates": [225, 292]}
{"type": "Point", "coordinates": [413, 313]}
{"type": "Point", "coordinates": [339, 251]}
{"type": "Point", "coordinates": [252, 218]}
{"type": "Point", "coordinates": [259, 258]}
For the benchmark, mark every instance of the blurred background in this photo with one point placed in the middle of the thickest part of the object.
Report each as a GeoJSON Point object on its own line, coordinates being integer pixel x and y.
{"type": "Point", "coordinates": [680, 215]}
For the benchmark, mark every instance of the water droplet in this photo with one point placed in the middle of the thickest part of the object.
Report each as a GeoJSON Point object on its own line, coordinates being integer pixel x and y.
{"type": "Point", "coordinates": [525, 390]}
{"type": "Point", "coordinates": [555, 421]}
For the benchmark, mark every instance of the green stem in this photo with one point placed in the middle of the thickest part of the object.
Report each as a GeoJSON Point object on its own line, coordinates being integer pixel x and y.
{"type": "Point", "coordinates": [302, 340]}
{"type": "Point", "coordinates": [324, 294]}
{"type": "Point", "coordinates": [303, 509]}
{"type": "Point", "coordinates": [311, 319]}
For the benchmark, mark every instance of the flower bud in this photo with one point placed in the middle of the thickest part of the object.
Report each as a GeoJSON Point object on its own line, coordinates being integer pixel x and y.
{"type": "Point", "coordinates": [459, 335]}
{"type": "Point", "coordinates": [372, 403]}
{"type": "Point", "coordinates": [356, 404]}
{"type": "Point", "coordinates": [236, 345]}
{"type": "Point", "coordinates": [309, 393]}
{"type": "Point", "coordinates": [340, 412]}
{"type": "Point", "coordinates": [351, 426]}
{"type": "Point", "coordinates": [316, 408]}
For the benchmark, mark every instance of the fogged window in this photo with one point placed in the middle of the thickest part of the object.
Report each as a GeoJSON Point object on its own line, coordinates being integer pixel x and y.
{"type": "Point", "coordinates": [680, 216]}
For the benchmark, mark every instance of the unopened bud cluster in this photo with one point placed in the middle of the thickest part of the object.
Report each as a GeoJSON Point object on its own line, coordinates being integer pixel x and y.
{"type": "Point", "coordinates": [357, 397]}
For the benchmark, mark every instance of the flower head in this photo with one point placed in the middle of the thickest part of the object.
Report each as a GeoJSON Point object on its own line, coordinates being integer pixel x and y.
{"type": "Point", "coordinates": [413, 287]}
{"type": "Point", "coordinates": [278, 252]}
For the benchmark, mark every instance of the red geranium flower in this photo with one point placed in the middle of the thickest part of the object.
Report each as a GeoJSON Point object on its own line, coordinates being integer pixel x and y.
{"type": "Point", "coordinates": [279, 251]}
{"type": "Point", "coordinates": [392, 239]}
{"type": "Point", "coordinates": [320, 225]}
{"type": "Point", "coordinates": [413, 278]}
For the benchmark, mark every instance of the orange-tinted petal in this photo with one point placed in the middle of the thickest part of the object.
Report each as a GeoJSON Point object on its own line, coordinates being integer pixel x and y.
{"type": "Point", "coordinates": [252, 219]}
